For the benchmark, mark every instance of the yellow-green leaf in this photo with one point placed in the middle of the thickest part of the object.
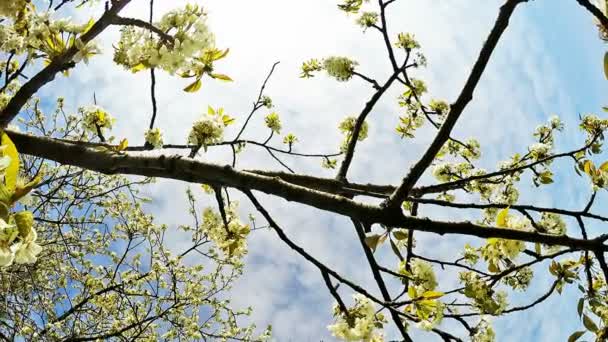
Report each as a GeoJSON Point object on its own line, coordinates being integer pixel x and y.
{"type": "Point", "coordinates": [604, 166]}
{"type": "Point", "coordinates": [139, 67]}
{"type": "Point", "coordinates": [124, 143]}
{"type": "Point", "coordinates": [606, 65]}
{"type": "Point", "coordinates": [194, 87]}
{"type": "Point", "coordinates": [432, 295]}
{"type": "Point", "coordinates": [588, 167]}
{"type": "Point", "coordinates": [219, 54]}
{"type": "Point", "coordinates": [501, 218]}
{"type": "Point", "coordinates": [89, 26]}
{"type": "Point", "coordinates": [12, 171]}
{"type": "Point", "coordinates": [221, 77]}
{"type": "Point", "coordinates": [411, 291]}
{"type": "Point", "coordinates": [210, 110]}
{"type": "Point", "coordinates": [228, 120]}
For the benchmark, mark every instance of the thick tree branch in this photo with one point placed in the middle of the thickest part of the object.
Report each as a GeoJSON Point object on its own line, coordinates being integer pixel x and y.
{"type": "Point", "coordinates": [193, 171]}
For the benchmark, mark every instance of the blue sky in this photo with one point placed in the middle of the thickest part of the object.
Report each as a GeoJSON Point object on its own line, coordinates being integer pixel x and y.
{"type": "Point", "coordinates": [549, 62]}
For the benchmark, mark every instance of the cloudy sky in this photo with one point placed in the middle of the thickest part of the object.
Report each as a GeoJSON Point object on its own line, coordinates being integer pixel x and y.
{"type": "Point", "coordinates": [548, 62]}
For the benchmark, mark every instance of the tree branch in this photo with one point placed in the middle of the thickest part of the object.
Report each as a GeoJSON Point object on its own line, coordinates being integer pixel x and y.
{"type": "Point", "coordinates": [457, 107]}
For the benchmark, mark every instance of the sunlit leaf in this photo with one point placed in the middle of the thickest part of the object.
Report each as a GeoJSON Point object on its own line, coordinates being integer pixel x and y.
{"type": "Point", "coordinates": [221, 77]}
{"type": "Point", "coordinates": [124, 143]}
{"type": "Point", "coordinates": [194, 87]}
{"type": "Point", "coordinates": [139, 67]}
{"type": "Point", "coordinates": [89, 26]}
{"type": "Point", "coordinates": [501, 218]}
{"type": "Point", "coordinates": [432, 295]}
{"type": "Point", "coordinates": [10, 178]}
{"type": "Point", "coordinates": [588, 167]}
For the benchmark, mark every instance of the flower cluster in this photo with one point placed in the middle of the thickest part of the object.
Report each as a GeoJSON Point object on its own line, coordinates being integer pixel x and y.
{"type": "Point", "coordinates": [340, 68]}
{"type": "Point", "coordinates": [545, 133]}
{"type": "Point", "coordinates": [154, 137]}
{"type": "Point", "coordinates": [139, 49]}
{"type": "Point", "coordinates": [423, 276]}
{"type": "Point", "coordinates": [483, 332]}
{"type": "Point", "coordinates": [539, 151]}
{"type": "Point", "coordinates": [484, 297]}
{"type": "Point", "coordinates": [440, 107]}
{"type": "Point", "coordinates": [446, 172]}
{"type": "Point", "coordinates": [367, 19]}
{"type": "Point", "coordinates": [41, 35]}
{"type": "Point", "coordinates": [18, 240]}
{"type": "Point", "coordinates": [407, 41]}
{"type": "Point", "coordinates": [593, 125]}
{"type": "Point", "coordinates": [351, 6]}
{"type": "Point", "coordinates": [426, 307]}
{"type": "Point", "coordinates": [470, 255]}
{"type": "Point", "coordinates": [10, 9]}
{"type": "Point", "coordinates": [359, 323]}
{"type": "Point", "coordinates": [347, 127]}
{"type": "Point", "coordinates": [469, 150]}
{"type": "Point", "coordinates": [95, 119]}
{"type": "Point", "coordinates": [520, 279]}
{"type": "Point", "coordinates": [273, 121]}
{"type": "Point", "coordinates": [497, 250]}
{"type": "Point", "coordinates": [209, 128]}
{"type": "Point", "coordinates": [552, 223]}
{"type": "Point", "coordinates": [230, 237]}
{"type": "Point", "coordinates": [290, 139]}
{"type": "Point", "coordinates": [410, 122]}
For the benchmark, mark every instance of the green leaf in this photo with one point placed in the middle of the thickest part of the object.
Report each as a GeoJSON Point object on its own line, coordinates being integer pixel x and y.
{"type": "Point", "coordinates": [589, 324]}
{"type": "Point", "coordinates": [606, 65]}
{"type": "Point", "coordinates": [501, 218]}
{"type": "Point", "coordinates": [411, 291]}
{"type": "Point", "coordinates": [580, 306]}
{"type": "Point", "coordinates": [124, 143]}
{"type": "Point", "coordinates": [89, 26]}
{"type": "Point", "coordinates": [589, 168]}
{"type": "Point", "coordinates": [575, 336]}
{"type": "Point", "coordinates": [537, 248]}
{"type": "Point", "coordinates": [228, 120]}
{"type": "Point", "coordinates": [10, 178]}
{"type": "Point", "coordinates": [432, 295]}
{"type": "Point", "coordinates": [139, 67]}
{"type": "Point", "coordinates": [194, 87]}
{"type": "Point", "coordinates": [221, 77]}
